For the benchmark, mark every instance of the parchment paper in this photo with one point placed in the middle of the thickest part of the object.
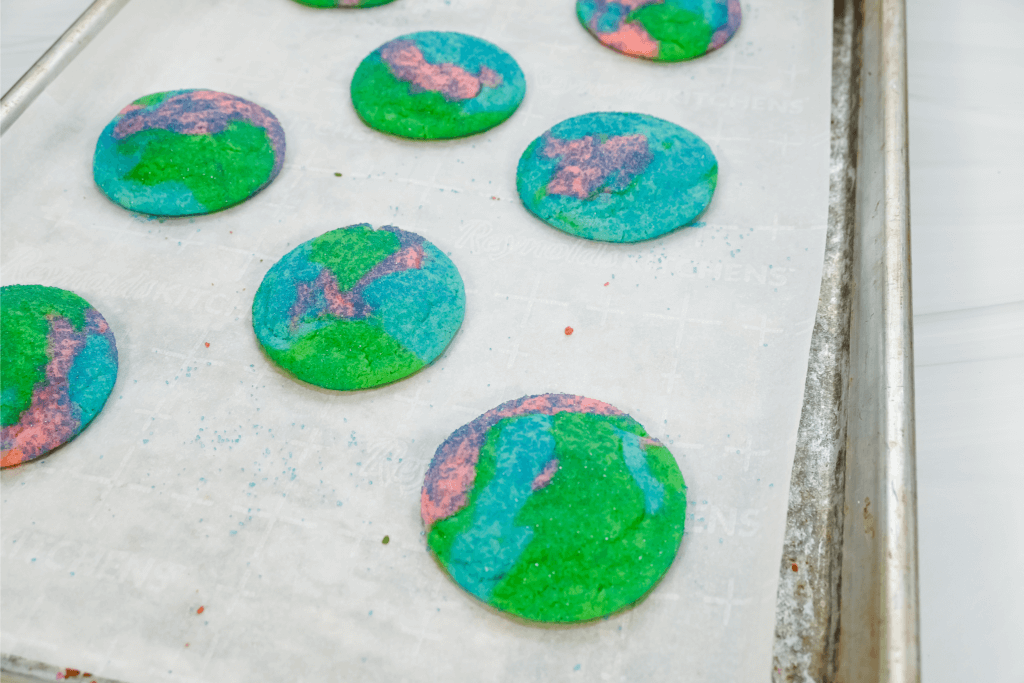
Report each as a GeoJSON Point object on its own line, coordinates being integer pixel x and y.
{"type": "Point", "coordinates": [220, 521]}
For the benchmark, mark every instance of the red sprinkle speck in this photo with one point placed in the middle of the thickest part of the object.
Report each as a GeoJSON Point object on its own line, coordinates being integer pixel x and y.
{"type": "Point", "coordinates": [606, 284]}
{"type": "Point", "coordinates": [795, 568]}
{"type": "Point", "coordinates": [200, 610]}
{"type": "Point", "coordinates": [207, 344]}
{"type": "Point", "coordinates": [568, 331]}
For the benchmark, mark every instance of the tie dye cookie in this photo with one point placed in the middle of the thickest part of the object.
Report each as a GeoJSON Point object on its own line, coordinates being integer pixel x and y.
{"type": "Point", "coordinates": [434, 85]}
{"type": "Point", "coordinates": [57, 366]}
{"type": "Point", "coordinates": [554, 508]}
{"type": "Point", "coordinates": [350, 4]}
{"type": "Point", "coordinates": [188, 152]}
{"type": "Point", "coordinates": [358, 307]}
{"type": "Point", "coordinates": [617, 177]}
{"type": "Point", "coordinates": [661, 30]}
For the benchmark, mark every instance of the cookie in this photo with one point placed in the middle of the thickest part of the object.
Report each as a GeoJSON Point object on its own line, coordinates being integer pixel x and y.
{"type": "Point", "coordinates": [359, 307]}
{"type": "Point", "coordinates": [350, 4]}
{"type": "Point", "coordinates": [437, 85]}
{"type": "Point", "coordinates": [57, 368]}
{"type": "Point", "coordinates": [617, 177]}
{"type": "Point", "coordinates": [188, 152]}
{"type": "Point", "coordinates": [661, 30]}
{"type": "Point", "coordinates": [554, 508]}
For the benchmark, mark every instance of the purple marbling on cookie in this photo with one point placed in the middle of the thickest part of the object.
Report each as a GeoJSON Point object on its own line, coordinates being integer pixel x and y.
{"type": "Point", "coordinates": [722, 35]}
{"type": "Point", "coordinates": [350, 305]}
{"type": "Point", "coordinates": [587, 163]}
{"type": "Point", "coordinates": [451, 80]}
{"type": "Point", "coordinates": [201, 112]}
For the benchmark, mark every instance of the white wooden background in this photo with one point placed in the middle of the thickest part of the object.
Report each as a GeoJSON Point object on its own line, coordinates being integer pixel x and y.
{"type": "Point", "coordinates": [966, 66]}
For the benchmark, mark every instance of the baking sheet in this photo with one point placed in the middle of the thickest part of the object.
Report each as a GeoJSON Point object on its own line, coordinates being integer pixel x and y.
{"type": "Point", "coordinates": [213, 480]}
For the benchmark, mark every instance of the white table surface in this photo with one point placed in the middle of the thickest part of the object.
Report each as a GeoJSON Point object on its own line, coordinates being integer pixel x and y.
{"type": "Point", "coordinates": [966, 70]}
{"type": "Point", "coordinates": [966, 67]}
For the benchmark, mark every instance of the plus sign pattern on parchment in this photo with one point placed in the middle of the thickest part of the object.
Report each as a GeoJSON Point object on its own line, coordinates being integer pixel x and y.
{"type": "Point", "coordinates": [212, 480]}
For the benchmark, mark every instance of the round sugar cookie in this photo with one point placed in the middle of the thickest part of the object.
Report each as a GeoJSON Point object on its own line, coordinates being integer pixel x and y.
{"type": "Point", "coordinates": [554, 508]}
{"type": "Point", "coordinates": [617, 177]}
{"type": "Point", "coordinates": [349, 4]}
{"type": "Point", "coordinates": [661, 30]}
{"type": "Point", "coordinates": [57, 366]}
{"type": "Point", "coordinates": [358, 307]}
{"type": "Point", "coordinates": [437, 85]}
{"type": "Point", "coordinates": [188, 152]}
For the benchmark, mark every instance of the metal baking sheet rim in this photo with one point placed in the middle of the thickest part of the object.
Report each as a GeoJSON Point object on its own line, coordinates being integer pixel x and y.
{"type": "Point", "coordinates": [826, 628]}
{"type": "Point", "coordinates": [847, 607]}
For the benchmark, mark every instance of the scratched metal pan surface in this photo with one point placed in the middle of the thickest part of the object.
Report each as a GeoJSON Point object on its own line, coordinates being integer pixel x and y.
{"type": "Point", "coordinates": [131, 559]}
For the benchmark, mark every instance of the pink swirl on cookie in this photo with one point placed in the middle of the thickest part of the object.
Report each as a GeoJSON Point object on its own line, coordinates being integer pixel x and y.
{"type": "Point", "coordinates": [51, 418]}
{"type": "Point", "coordinates": [407, 63]}
{"type": "Point", "coordinates": [453, 469]}
{"type": "Point", "coordinates": [201, 112]}
{"type": "Point", "coordinates": [630, 37]}
{"type": "Point", "coordinates": [346, 305]}
{"type": "Point", "coordinates": [587, 163]}
{"type": "Point", "coordinates": [545, 476]}
{"type": "Point", "coordinates": [635, 4]}
{"type": "Point", "coordinates": [408, 257]}
{"type": "Point", "coordinates": [633, 39]}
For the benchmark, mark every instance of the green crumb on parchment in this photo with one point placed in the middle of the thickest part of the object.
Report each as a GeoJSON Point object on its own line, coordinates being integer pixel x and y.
{"type": "Point", "coordinates": [386, 539]}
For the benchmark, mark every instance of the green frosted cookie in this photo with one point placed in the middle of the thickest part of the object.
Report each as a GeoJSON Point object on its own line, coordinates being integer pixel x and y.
{"type": "Point", "coordinates": [434, 85]}
{"type": "Point", "coordinates": [357, 307]}
{"type": "Point", "coordinates": [554, 508]}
